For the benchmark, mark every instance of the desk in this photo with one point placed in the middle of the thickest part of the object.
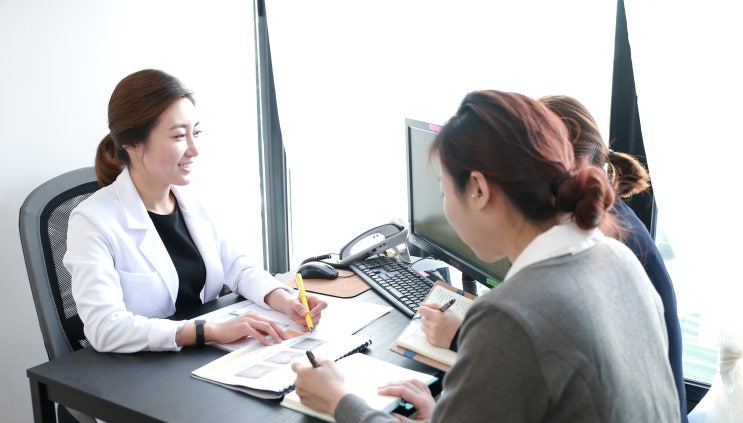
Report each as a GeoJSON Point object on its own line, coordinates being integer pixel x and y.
{"type": "Point", "coordinates": [158, 387]}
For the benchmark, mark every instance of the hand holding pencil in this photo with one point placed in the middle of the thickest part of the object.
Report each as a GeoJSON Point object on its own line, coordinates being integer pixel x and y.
{"type": "Point", "coordinates": [303, 309]}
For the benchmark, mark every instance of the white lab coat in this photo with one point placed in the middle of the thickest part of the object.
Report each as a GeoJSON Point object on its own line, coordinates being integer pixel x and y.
{"type": "Point", "coordinates": [123, 280]}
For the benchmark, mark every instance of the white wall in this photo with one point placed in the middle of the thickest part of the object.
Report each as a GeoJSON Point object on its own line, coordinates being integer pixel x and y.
{"type": "Point", "coordinates": [59, 62]}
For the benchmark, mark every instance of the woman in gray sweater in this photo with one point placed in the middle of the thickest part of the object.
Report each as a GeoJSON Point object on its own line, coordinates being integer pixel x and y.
{"type": "Point", "coordinates": [576, 331]}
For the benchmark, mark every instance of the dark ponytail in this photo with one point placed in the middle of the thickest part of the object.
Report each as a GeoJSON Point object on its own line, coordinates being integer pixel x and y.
{"type": "Point", "coordinates": [627, 174]}
{"type": "Point", "coordinates": [108, 163]}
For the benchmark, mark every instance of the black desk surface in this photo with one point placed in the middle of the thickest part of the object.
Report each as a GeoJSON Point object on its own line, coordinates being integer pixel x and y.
{"type": "Point", "coordinates": [157, 386]}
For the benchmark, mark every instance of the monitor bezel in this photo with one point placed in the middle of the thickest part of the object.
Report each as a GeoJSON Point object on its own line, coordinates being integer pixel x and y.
{"type": "Point", "coordinates": [424, 243]}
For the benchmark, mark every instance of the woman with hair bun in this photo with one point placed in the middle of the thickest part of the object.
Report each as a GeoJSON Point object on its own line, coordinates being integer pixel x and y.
{"type": "Point", "coordinates": [628, 177]}
{"type": "Point", "coordinates": [576, 331]}
{"type": "Point", "coordinates": [143, 247]}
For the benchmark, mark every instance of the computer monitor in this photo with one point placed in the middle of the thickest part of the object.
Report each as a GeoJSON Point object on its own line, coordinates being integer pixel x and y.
{"type": "Point", "coordinates": [428, 229]}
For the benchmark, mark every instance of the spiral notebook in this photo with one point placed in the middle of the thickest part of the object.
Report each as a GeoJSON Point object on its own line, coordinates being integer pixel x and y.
{"type": "Point", "coordinates": [265, 371]}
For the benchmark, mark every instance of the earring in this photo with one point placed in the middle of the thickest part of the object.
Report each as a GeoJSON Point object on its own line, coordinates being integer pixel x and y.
{"type": "Point", "coordinates": [473, 195]}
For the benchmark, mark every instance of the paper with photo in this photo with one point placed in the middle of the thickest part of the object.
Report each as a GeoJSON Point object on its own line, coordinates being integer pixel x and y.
{"type": "Point", "coordinates": [265, 371]}
{"type": "Point", "coordinates": [342, 316]}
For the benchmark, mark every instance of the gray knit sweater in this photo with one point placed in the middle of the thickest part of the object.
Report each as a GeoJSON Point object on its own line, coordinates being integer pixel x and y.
{"type": "Point", "coordinates": [576, 338]}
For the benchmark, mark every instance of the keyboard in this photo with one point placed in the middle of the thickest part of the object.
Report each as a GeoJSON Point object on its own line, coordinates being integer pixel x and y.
{"type": "Point", "coordinates": [397, 282]}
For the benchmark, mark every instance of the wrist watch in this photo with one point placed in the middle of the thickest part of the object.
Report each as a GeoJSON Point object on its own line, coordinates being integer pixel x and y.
{"type": "Point", "coordinates": [200, 342]}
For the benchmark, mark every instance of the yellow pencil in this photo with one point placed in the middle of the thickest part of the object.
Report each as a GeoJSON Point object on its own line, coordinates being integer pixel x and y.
{"type": "Point", "coordinates": [303, 298]}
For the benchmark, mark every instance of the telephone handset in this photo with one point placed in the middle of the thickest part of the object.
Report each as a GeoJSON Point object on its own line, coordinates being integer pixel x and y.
{"type": "Point", "coordinates": [373, 241]}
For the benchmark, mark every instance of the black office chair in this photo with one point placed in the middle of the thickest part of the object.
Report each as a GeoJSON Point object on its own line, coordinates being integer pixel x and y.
{"type": "Point", "coordinates": [43, 229]}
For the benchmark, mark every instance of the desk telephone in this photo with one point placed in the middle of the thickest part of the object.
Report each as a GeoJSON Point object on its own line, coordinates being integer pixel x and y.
{"type": "Point", "coordinates": [373, 241]}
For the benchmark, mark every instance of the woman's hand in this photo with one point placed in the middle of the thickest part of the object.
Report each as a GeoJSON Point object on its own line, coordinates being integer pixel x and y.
{"type": "Point", "coordinates": [290, 305]}
{"type": "Point", "coordinates": [416, 393]}
{"type": "Point", "coordinates": [440, 328]}
{"type": "Point", "coordinates": [320, 388]}
{"type": "Point", "coordinates": [249, 323]}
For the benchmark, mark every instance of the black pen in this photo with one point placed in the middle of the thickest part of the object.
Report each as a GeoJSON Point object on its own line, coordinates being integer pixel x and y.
{"type": "Point", "coordinates": [312, 359]}
{"type": "Point", "coordinates": [442, 309]}
{"type": "Point", "coordinates": [447, 305]}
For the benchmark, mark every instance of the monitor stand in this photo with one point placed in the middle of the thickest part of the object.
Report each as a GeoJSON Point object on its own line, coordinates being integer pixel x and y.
{"type": "Point", "coordinates": [469, 285]}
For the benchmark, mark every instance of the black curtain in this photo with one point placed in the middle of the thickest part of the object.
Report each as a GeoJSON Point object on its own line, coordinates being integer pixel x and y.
{"type": "Point", "coordinates": [625, 132]}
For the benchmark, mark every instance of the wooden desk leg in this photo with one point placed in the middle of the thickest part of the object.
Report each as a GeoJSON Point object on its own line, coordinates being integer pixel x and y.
{"type": "Point", "coordinates": [43, 408]}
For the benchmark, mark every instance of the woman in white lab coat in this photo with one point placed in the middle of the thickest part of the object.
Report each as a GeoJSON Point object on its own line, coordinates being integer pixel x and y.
{"type": "Point", "coordinates": [143, 247]}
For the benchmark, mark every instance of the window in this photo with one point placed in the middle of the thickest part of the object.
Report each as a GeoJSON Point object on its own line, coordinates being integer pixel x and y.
{"type": "Point", "coordinates": [688, 84]}
{"type": "Point", "coordinates": [348, 74]}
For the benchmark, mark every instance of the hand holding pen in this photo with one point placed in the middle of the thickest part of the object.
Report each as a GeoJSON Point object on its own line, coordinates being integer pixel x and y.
{"type": "Point", "coordinates": [311, 357]}
{"type": "Point", "coordinates": [447, 305]}
{"type": "Point", "coordinates": [442, 309]}
{"type": "Point", "coordinates": [438, 326]}
{"type": "Point", "coordinates": [319, 383]}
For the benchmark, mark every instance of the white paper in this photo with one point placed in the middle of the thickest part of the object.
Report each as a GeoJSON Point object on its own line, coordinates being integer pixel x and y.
{"type": "Point", "coordinates": [342, 316]}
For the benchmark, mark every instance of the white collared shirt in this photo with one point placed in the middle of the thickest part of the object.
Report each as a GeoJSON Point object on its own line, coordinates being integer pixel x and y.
{"type": "Point", "coordinates": [559, 240]}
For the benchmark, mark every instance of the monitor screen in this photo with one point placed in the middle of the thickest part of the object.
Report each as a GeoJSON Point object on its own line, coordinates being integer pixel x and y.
{"type": "Point", "coordinates": [428, 229]}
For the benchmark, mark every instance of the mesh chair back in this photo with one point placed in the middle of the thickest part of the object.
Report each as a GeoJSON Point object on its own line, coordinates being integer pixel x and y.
{"type": "Point", "coordinates": [43, 228]}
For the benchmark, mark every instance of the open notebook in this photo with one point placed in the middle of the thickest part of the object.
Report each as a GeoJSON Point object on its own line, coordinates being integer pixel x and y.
{"type": "Point", "coordinates": [412, 341]}
{"type": "Point", "coordinates": [265, 371]}
{"type": "Point", "coordinates": [363, 375]}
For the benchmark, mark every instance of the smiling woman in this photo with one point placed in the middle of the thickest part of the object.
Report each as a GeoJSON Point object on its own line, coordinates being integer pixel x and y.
{"type": "Point", "coordinates": [130, 118]}
{"type": "Point", "coordinates": [144, 247]}
{"type": "Point", "coordinates": [167, 158]}
{"type": "Point", "coordinates": [53, 67]}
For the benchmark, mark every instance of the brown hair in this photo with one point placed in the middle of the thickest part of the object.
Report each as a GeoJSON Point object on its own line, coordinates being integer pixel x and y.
{"type": "Point", "coordinates": [522, 147]}
{"type": "Point", "coordinates": [133, 111]}
{"type": "Point", "coordinates": [627, 175]}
